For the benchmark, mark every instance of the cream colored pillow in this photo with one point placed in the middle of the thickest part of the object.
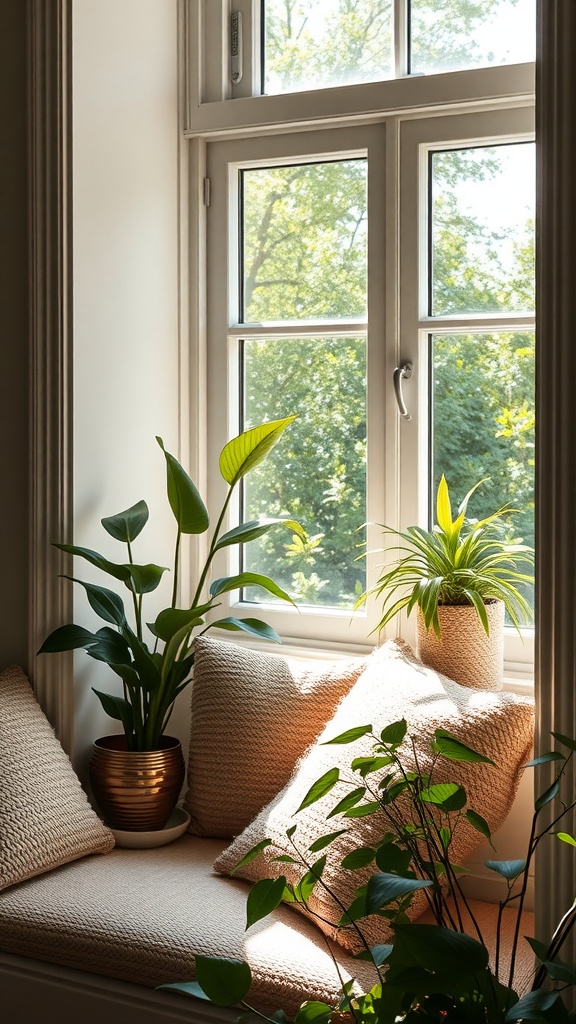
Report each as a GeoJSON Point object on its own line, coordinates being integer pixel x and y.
{"type": "Point", "coordinates": [45, 817]}
{"type": "Point", "coordinates": [252, 716]}
{"type": "Point", "coordinates": [394, 685]}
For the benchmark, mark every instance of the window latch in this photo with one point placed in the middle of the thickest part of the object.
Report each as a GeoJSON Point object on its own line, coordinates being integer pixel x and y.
{"type": "Point", "coordinates": [236, 47]}
{"type": "Point", "coordinates": [402, 372]}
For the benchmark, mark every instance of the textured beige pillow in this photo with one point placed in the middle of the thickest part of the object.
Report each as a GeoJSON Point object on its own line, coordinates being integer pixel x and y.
{"type": "Point", "coordinates": [45, 817]}
{"type": "Point", "coordinates": [394, 685]}
{"type": "Point", "coordinates": [253, 715]}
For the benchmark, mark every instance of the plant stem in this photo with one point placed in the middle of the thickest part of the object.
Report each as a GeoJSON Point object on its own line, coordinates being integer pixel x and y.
{"type": "Point", "coordinates": [211, 551]}
{"type": "Point", "coordinates": [137, 608]}
{"type": "Point", "coordinates": [176, 564]}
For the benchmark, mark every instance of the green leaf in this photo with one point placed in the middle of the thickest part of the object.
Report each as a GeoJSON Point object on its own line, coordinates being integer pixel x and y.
{"type": "Point", "coordinates": [248, 579]}
{"type": "Point", "coordinates": [125, 526]}
{"type": "Point", "coordinates": [118, 709]}
{"type": "Point", "coordinates": [385, 888]}
{"type": "Point", "coordinates": [263, 898]}
{"type": "Point", "coordinates": [363, 811]}
{"type": "Point", "coordinates": [366, 765]}
{"type": "Point", "coordinates": [350, 735]}
{"type": "Point", "coordinates": [566, 838]}
{"type": "Point", "coordinates": [394, 733]}
{"type": "Point", "coordinates": [251, 855]}
{"type": "Point", "coordinates": [509, 869]}
{"type": "Point", "coordinates": [224, 980]}
{"type": "Point", "coordinates": [447, 795]}
{"type": "Point", "coordinates": [455, 750]}
{"type": "Point", "coordinates": [435, 948]}
{"type": "Point", "coordinates": [145, 578]}
{"type": "Point", "coordinates": [255, 627]}
{"type": "Point", "coordinates": [547, 796]}
{"type": "Point", "coordinates": [321, 787]}
{"type": "Point", "coordinates": [246, 532]}
{"type": "Point", "coordinates": [119, 572]}
{"type": "Point", "coordinates": [350, 800]}
{"type": "Point", "coordinates": [535, 1006]}
{"type": "Point", "coordinates": [554, 755]}
{"type": "Point", "coordinates": [359, 858]}
{"type": "Point", "coordinates": [309, 880]}
{"type": "Point", "coordinates": [443, 507]}
{"type": "Point", "coordinates": [67, 638]}
{"type": "Point", "coordinates": [246, 451]}
{"type": "Point", "coordinates": [108, 605]}
{"type": "Point", "coordinates": [378, 955]}
{"type": "Point", "coordinates": [479, 823]}
{"type": "Point", "coordinates": [355, 911]}
{"type": "Point", "coordinates": [392, 860]}
{"type": "Point", "coordinates": [565, 740]}
{"type": "Point", "coordinates": [171, 620]}
{"type": "Point", "coordinates": [314, 1012]}
{"type": "Point", "coordinates": [185, 988]}
{"type": "Point", "coordinates": [189, 510]}
{"type": "Point", "coordinates": [324, 841]}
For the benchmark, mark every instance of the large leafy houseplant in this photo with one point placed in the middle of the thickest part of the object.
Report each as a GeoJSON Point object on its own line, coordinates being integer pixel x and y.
{"type": "Point", "coordinates": [458, 562]}
{"type": "Point", "coordinates": [430, 972]}
{"type": "Point", "coordinates": [154, 674]}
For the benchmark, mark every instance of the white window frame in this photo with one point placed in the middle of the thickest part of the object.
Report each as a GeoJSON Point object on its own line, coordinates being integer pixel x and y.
{"type": "Point", "coordinates": [418, 113]}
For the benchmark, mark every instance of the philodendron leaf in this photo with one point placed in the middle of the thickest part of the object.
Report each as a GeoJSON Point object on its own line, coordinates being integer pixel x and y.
{"type": "Point", "coordinates": [248, 579]}
{"type": "Point", "coordinates": [118, 709]}
{"type": "Point", "coordinates": [384, 888]}
{"type": "Point", "coordinates": [246, 451]}
{"type": "Point", "coordinates": [224, 980]}
{"type": "Point", "coordinates": [435, 948]}
{"type": "Point", "coordinates": [186, 988]}
{"type": "Point", "coordinates": [108, 605]}
{"type": "Point", "coordinates": [321, 787]}
{"type": "Point", "coordinates": [169, 621]}
{"type": "Point", "coordinates": [67, 638]}
{"type": "Point", "coordinates": [189, 510]}
{"type": "Point", "coordinates": [263, 898]}
{"type": "Point", "coordinates": [509, 869]}
{"type": "Point", "coordinates": [394, 733]}
{"type": "Point", "coordinates": [537, 1006]}
{"type": "Point", "coordinates": [144, 578]}
{"type": "Point", "coordinates": [479, 823]}
{"type": "Point", "coordinates": [255, 627]}
{"type": "Point", "coordinates": [350, 735]}
{"type": "Point", "coordinates": [455, 750]}
{"type": "Point", "coordinates": [125, 526]}
{"type": "Point", "coordinates": [547, 796]}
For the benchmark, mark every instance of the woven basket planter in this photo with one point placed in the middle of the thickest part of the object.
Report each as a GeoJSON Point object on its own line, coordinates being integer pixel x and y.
{"type": "Point", "coordinates": [464, 652]}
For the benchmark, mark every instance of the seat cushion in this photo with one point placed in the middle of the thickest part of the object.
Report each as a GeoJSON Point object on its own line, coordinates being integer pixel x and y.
{"type": "Point", "coordinates": [45, 817]}
{"type": "Point", "coordinates": [252, 716]}
{"type": "Point", "coordinates": [141, 915]}
{"type": "Point", "coordinates": [394, 685]}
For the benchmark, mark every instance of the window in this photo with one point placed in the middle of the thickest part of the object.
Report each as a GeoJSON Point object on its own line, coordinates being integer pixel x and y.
{"type": "Point", "coordinates": [353, 227]}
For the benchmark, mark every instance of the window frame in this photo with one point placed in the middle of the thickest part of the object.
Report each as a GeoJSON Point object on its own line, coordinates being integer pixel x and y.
{"type": "Point", "coordinates": [403, 105]}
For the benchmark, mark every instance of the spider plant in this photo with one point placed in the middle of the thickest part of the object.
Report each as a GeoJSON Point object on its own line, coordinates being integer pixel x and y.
{"type": "Point", "coordinates": [458, 562]}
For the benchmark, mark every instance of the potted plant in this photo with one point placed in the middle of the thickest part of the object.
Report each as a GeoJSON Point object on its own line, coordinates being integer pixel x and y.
{"type": "Point", "coordinates": [462, 576]}
{"type": "Point", "coordinates": [429, 972]}
{"type": "Point", "coordinates": [154, 672]}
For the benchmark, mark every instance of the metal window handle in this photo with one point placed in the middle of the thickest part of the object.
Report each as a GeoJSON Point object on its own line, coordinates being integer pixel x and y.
{"type": "Point", "coordinates": [402, 372]}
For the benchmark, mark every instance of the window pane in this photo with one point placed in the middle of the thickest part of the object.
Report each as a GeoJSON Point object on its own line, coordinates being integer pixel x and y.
{"type": "Point", "coordinates": [318, 472]}
{"type": "Point", "coordinates": [483, 422]}
{"type": "Point", "coordinates": [482, 230]}
{"type": "Point", "coordinates": [304, 241]}
{"type": "Point", "coordinates": [309, 44]}
{"type": "Point", "coordinates": [451, 35]}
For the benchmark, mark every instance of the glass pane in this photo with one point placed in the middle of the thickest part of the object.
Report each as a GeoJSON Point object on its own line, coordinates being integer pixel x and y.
{"type": "Point", "coordinates": [317, 474]}
{"type": "Point", "coordinates": [304, 241]}
{"type": "Point", "coordinates": [482, 211]}
{"type": "Point", "coordinates": [452, 35]}
{"type": "Point", "coordinates": [483, 423]}
{"type": "Point", "coordinates": [309, 45]}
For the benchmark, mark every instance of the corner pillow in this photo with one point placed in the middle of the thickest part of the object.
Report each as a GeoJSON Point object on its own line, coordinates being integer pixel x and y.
{"type": "Point", "coordinates": [394, 685]}
{"type": "Point", "coordinates": [252, 716]}
{"type": "Point", "coordinates": [45, 817]}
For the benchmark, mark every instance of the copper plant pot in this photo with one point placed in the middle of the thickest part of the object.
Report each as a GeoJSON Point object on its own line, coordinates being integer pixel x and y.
{"type": "Point", "coordinates": [136, 790]}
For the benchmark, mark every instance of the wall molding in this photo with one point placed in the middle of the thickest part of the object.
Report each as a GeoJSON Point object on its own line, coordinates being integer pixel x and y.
{"type": "Point", "coordinates": [50, 198]}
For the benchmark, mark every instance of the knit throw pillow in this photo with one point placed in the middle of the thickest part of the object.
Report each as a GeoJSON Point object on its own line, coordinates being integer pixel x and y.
{"type": "Point", "coordinates": [45, 817]}
{"type": "Point", "coordinates": [252, 716]}
{"type": "Point", "coordinates": [394, 685]}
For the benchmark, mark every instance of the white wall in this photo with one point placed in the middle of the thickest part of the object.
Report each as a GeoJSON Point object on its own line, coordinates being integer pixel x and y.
{"type": "Point", "coordinates": [126, 295]}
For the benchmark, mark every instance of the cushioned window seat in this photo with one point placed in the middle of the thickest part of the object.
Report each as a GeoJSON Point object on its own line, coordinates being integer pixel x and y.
{"type": "Point", "coordinates": [139, 917]}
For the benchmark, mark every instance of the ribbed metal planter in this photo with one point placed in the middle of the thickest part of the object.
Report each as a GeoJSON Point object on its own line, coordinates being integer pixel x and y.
{"type": "Point", "coordinates": [136, 790]}
{"type": "Point", "coordinates": [464, 652]}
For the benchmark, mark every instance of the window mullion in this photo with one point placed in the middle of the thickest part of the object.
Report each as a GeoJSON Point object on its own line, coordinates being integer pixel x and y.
{"type": "Point", "coordinates": [401, 15]}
